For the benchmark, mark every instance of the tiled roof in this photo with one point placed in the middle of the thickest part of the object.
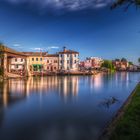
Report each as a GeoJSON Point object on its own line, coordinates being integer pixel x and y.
{"type": "Point", "coordinates": [52, 55]}
{"type": "Point", "coordinates": [43, 54]}
{"type": "Point", "coordinates": [35, 53]}
{"type": "Point", "coordinates": [68, 52]}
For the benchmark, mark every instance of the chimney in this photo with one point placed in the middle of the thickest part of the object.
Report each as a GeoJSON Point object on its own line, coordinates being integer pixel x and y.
{"type": "Point", "coordinates": [64, 49]}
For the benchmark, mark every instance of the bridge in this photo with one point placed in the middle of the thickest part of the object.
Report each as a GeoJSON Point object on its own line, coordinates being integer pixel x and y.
{"type": "Point", "coordinates": [6, 54]}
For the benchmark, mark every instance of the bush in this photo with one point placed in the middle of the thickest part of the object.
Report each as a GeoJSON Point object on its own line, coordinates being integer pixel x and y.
{"type": "Point", "coordinates": [1, 71]}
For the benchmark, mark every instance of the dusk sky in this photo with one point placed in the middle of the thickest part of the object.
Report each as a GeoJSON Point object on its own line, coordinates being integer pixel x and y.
{"type": "Point", "coordinates": [83, 25]}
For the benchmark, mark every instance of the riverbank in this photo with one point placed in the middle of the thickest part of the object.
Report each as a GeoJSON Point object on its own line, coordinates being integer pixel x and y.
{"type": "Point", "coordinates": [126, 123]}
{"type": "Point", "coordinates": [43, 74]}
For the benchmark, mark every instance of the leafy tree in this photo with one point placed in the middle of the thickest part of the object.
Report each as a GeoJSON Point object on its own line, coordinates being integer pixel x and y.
{"type": "Point", "coordinates": [1, 57]}
{"type": "Point", "coordinates": [139, 60]}
{"type": "Point", "coordinates": [125, 2]}
{"type": "Point", "coordinates": [130, 63]}
{"type": "Point", "coordinates": [117, 59]}
{"type": "Point", "coordinates": [108, 64]}
{"type": "Point", "coordinates": [123, 60]}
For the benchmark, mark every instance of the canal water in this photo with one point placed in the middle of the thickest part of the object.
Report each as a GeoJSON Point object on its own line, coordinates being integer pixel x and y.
{"type": "Point", "coordinates": [62, 108]}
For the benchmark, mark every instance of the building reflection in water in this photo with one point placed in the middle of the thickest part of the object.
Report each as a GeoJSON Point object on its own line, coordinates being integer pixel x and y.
{"type": "Point", "coordinates": [66, 87]}
{"type": "Point", "coordinates": [12, 90]}
{"type": "Point", "coordinates": [96, 82]}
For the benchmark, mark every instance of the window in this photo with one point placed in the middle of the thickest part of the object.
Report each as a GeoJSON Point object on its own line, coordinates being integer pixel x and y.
{"type": "Point", "coordinates": [55, 68]}
{"type": "Point", "coordinates": [55, 61]}
{"type": "Point", "coordinates": [48, 68]}
{"type": "Point", "coordinates": [61, 55]}
{"type": "Point", "coordinates": [68, 61]}
{"type": "Point", "coordinates": [36, 59]}
{"type": "Point", "coordinates": [68, 68]}
{"type": "Point", "coordinates": [75, 61]}
{"type": "Point", "coordinates": [40, 59]}
{"type": "Point", "coordinates": [75, 55]}
{"type": "Point", "coordinates": [47, 61]}
{"type": "Point", "coordinates": [17, 66]}
{"type": "Point", "coordinates": [67, 55]}
{"type": "Point", "coordinates": [61, 61]}
{"type": "Point", "coordinates": [15, 59]}
{"type": "Point", "coordinates": [32, 59]}
{"type": "Point", "coordinates": [21, 60]}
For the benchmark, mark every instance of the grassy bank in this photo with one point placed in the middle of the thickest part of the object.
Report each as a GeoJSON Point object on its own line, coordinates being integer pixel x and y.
{"type": "Point", "coordinates": [127, 127]}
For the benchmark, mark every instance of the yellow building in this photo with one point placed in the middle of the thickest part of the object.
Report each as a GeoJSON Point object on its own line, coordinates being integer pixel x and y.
{"type": "Point", "coordinates": [35, 60]}
{"type": "Point", "coordinates": [42, 61]}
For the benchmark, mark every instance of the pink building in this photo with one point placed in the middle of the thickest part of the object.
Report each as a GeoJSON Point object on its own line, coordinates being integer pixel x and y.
{"type": "Point", "coordinates": [91, 62]}
{"type": "Point", "coordinates": [120, 65]}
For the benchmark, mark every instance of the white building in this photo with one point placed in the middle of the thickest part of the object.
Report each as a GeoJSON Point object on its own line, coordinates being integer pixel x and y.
{"type": "Point", "coordinates": [17, 63]}
{"type": "Point", "coordinates": [68, 60]}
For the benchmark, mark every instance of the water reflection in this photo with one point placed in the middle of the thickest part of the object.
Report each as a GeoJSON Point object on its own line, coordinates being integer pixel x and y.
{"type": "Point", "coordinates": [16, 89]}
{"type": "Point", "coordinates": [65, 87]}
{"type": "Point", "coordinates": [53, 108]}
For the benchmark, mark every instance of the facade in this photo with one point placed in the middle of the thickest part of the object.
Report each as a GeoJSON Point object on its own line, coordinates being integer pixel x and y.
{"type": "Point", "coordinates": [68, 60]}
{"type": "Point", "coordinates": [17, 64]}
{"type": "Point", "coordinates": [91, 63]}
{"type": "Point", "coordinates": [35, 60]}
{"type": "Point", "coordinates": [120, 65]}
{"type": "Point", "coordinates": [51, 62]}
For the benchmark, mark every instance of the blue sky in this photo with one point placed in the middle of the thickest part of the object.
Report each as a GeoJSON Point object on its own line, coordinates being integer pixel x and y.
{"type": "Point", "coordinates": [84, 25]}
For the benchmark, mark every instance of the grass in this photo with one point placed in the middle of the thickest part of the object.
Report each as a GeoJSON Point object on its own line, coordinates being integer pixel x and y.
{"type": "Point", "coordinates": [128, 127]}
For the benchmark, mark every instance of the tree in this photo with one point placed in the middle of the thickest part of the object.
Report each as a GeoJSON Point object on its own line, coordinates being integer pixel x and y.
{"type": "Point", "coordinates": [130, 63]}
{"type": "Point", "coordinates": [139, 60]}
{"type": "Point", "coordinates": [123, 60]}
{"type": "Point", "coordinates": [125, 2]}
{"type": "Point", "coordinates": [108, 64]}
{"type": "Point", "coordinates": [117, 59]}
{"type": "Point", "coordinates": [1, 57]}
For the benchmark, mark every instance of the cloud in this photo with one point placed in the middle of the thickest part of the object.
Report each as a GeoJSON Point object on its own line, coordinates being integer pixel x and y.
{"type": "Point", "coordinates": [53, 47]}
{"type": "Point", "coordinates": [16, 45]}
{"type": "Point", "coordinates": [36, 49]}
{"type": "Point", "coordinates": [66, 5]}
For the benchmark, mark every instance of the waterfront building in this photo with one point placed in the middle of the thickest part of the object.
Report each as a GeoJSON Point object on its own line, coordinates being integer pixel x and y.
{"type": "Point", "coordinates": [17, 64]}
{"type": "Point", "coordinates": [121, 64]}
{"type": "Point", "coordinates": [35, 60]}
{"type": "Point", "coordinates": [68, 60]}
{"type": "Point", "coordinates": [42, 61]}
{"type": "Point", "coordinates": [51, 62]}
{"type": "Point", "coordinates": [91, 63]}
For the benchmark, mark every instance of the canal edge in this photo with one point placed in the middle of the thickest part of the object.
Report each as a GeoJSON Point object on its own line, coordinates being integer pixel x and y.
{"type": "Point", "coordinates": [107, 131]}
